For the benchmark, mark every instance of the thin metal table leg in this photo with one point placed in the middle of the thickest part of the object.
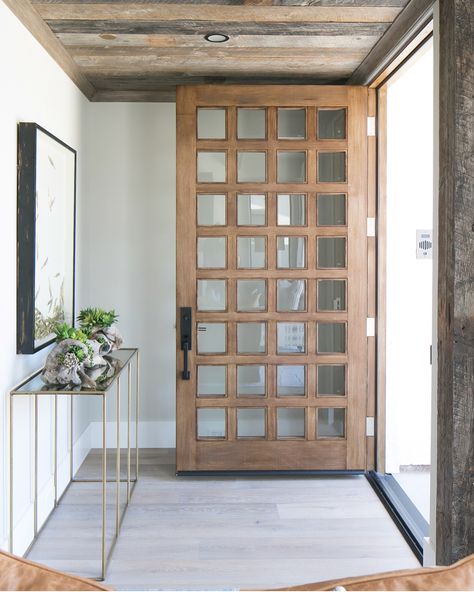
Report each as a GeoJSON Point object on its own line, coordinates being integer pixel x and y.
{"type": "Point", "coordinates": [129, 400]}
{"type": "Point", "coordinates": [71, 443]}
{"type": "Point", "coordinates": [117, 465]}
{"type": "Point", "coordinates": [104, 483]}
{"type": "Point", "coordinates": [137, 413]}
{"type": "Point", "coordinates": [35, 504]}
{"type": "Point", "coordinates": [10, 546]}
{"type": "Point", "coordinates": [55, 450]}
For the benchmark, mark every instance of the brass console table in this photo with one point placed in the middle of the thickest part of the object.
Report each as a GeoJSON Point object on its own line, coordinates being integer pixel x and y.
{"type": "Point", "coordinates": [33, 386]}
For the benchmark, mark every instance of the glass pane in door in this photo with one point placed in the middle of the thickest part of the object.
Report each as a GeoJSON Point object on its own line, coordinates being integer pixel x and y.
{"type": "Point", "coordinates": [251, 295]}
{"type": "Point", "coordinates": [291, 381]}
{"type": "Point", "coordinates": [251, 209]}
{"type": "Point", "coordinates": [251, 338]}
{"type": "Point", "coordinates": [291, 209]}
{"type": "Point", "coordinates": [291, 338]}
{"type": "Point", "coordinates": [251, 124]}
{"type": "Point", "coordinates": [291, 124]}
{"type": "Point", "coordinates": [251, 423]}
{"type": "Point", "coordinates": [291, 167]}
{"type": "Point", "coordinates": [291, 295]}
{"type": "Point", "coordinates": [251, 252]}
{"type": "Point", "coordinates": [211, 167]}
{"type": "Point", "coordinates": [211, 381]}
{"type": "Point", "coordinates": [291, 252]}
{"type": "Point", "coordinates": [211, 124]}
{"type": "Point", "coordinates": [211, 210]}
{"type": "Point", "coordinates": [251, 381]}
{"type": "Point", "coordinates": [290, 422]}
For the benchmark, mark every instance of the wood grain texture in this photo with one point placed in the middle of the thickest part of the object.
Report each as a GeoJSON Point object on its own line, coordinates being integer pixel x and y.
{"type": "Point", "coordinates": [357, 275]}
{"type": "Point", "coordinates": [194, 42]}
{"type": "Point", "coordinates": [134, 48]}
{"type": "Point", "coordinates": [272, 453]}
{"type": "Point", "coordinates": [154, 83]}
{"type": "Point", "coordinates": [185, 282]}
{"type": "Point", "coordinates": [23, 10]}
{"type": "Point", "coordinates": [404, 29]}
{"type": "Point", "coordinates": [189, 27]}
{"type": "Point", "coordinates": [216, 14]}
{"type": "Point", "coordinates": [455, 472]}
{"type": "Point", "coordinates": [381, 277]}
{"type": "Point", "coordinates": [222, 533]}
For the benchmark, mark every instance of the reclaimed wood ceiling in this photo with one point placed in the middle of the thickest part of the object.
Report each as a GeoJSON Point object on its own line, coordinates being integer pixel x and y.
{"type": "Point", "coordinates": [130, 50]}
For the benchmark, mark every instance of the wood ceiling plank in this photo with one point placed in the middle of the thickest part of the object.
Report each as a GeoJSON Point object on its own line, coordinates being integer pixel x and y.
{"type": "Point", "coordinates": [381, 3]}
{"type": "Point", "coordinates": [155, 82]}
{"type": "Point", "coordinates": [93, 40]}
{"type": "Point", "coordinates": [217, 14]}
{"type": "Point", "coordinates": [41, 32]}
{"type": "Point", "coordinates": [98, 55]}
{"type": "Point", "coordinates": [202, 28]}
{"type": "Point", "coordinates": [162, 95]}
{"type": "Point", "coordinates": [150, 62]}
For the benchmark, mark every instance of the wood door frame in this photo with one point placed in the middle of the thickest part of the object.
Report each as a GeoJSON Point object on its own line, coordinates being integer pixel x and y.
{"type": "Point", "coordinates": [277, 96]}
{"type": "Point", "coordinates": [379, 87]}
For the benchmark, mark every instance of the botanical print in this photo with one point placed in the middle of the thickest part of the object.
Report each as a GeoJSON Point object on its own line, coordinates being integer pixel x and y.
{"type": "Point", "coordinates": [54, 227]}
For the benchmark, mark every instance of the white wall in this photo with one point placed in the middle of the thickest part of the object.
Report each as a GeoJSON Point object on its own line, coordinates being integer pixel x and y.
{"type": "Point", "coordinates": [409, 280]}
{"type": "Point", "coordinates": [127, 244]}
{"type": "Point", "coordinates": [35, 89]}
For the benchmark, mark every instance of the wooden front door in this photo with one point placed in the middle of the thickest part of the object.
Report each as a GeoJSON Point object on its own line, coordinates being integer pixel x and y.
{"type": "Point", "coordinates": [272, 263]}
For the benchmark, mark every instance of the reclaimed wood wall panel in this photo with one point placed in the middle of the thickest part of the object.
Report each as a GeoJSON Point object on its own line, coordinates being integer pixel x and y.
{"type": "Point", "coordinates": [455, 463]}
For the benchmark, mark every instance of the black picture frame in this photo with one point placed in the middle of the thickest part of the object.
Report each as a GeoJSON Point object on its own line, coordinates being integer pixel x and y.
{"type": "Point", "coordinates": [31, 236]}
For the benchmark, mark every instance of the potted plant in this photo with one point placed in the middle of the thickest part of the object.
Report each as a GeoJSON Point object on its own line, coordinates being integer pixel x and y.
{"type": "Point", "coordinates": [101, 326]}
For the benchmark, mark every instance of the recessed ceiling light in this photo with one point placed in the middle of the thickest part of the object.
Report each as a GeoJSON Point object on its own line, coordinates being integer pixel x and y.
{"type": "Point", "coordinates": [216, 38]}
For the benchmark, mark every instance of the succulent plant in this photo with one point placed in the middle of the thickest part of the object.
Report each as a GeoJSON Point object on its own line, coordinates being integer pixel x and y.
{"type": "Point", "coordinates": [65, 331]}
{"type": "Point", "coordinates": [90, 318]}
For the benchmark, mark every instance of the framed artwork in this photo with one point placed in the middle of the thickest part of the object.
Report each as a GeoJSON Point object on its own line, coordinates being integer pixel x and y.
{"type": "Point", "coordinates": [46, 230]}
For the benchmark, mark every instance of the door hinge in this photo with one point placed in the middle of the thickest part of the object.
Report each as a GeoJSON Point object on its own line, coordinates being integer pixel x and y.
{"type": "Point", "coordinates": [371, 229]}
{"type": "Point", "coordinates": [370, 426]}
{"type": "Point", "coordinates": [371, 127]}
{"type": "Point", "coordinates": [370, 327]}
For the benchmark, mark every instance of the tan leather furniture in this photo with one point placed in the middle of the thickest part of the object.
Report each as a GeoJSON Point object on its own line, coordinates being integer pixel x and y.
{"type": "Point", "coordinates": [459, 576]}
{"type": "Point", "coordinates": [17, 573]}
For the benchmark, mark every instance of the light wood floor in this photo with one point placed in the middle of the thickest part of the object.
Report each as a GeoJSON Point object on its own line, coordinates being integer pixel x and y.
{"type": "Point", "coordinates": [183, 533]}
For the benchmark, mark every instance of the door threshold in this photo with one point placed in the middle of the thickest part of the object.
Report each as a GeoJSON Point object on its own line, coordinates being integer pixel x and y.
{"type": "Point", "coordinates": [402, 510]}
{"type": "Point", "coordinates": [270, 473]}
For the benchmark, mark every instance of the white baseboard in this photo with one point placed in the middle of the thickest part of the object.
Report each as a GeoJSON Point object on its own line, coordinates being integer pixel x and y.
{"type": "Point", "coordinates": [151, 434]}
{"type": "Point", "coordinates": [23, 532]}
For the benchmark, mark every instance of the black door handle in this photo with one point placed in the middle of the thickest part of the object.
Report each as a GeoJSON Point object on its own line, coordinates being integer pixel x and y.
{"type": "Point", "coordinates": [186, 328]}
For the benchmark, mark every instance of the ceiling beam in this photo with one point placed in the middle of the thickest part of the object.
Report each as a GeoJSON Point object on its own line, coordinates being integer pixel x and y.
{"type": "Point", "coordinates": [404, 29]}
{"type": "Point", "coordinates": [27, 15]}
{"type": "Point", "coordinates": [216, 14]}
